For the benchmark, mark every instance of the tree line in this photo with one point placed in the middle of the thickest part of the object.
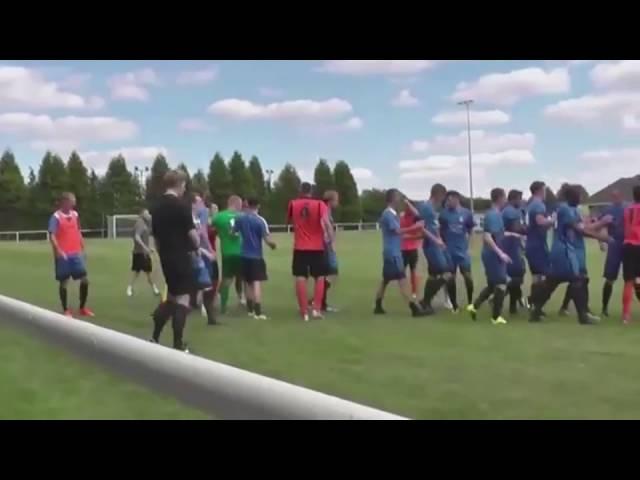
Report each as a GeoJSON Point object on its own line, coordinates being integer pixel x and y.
{"type": "Point", "coordinates": [27, 204]}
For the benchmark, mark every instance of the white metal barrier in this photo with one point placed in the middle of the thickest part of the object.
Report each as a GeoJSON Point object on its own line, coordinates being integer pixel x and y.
{"type": "Point", "coordinates": [220, 390]}
{"type": "Point", "coordinates": [40, 235]}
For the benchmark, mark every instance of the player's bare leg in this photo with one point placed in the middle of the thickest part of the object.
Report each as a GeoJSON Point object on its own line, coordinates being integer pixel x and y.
{"type": "Point", "coordinates": [257, 301]}
{"type": "Point", "coordinates": [405, 291]}
{"type": "Point", "coordinates": [208, 303]}
{"type": "Point", "coordinates": [239, 284]}
{"type": "Point", "coordinates": [318, 295]}
{"type": "Point", "coordinates": [250, 297]}
{"type": "Point", "coordinates": [134, 277]}
{"type": "Point", "coordinates": [152, 284]}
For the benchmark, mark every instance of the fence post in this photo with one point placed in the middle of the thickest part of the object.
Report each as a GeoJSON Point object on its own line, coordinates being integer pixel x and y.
{"type": "Point", "coordinates": [17, 237]}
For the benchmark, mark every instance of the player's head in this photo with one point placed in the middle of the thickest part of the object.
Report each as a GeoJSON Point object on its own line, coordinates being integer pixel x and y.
{"type": "Point", "coordinates": [245, 204]}
{"type": "Point", "coordinates": [538, 189]}
{"type": "Point", "coordinates": [253, 204]}
{"type": "Point", "coordinates": [562, 197]}
{"type": "Point", "coordinates": [67, 201]}
{"type": "Point", "coordinates": [498, 197]}
{"type": "Point", "coordinates": [176, 181]}
{"type": "Point", "coordinates": [332, 198]}
{"type": "Point", "coordinates": [234, 203]}
{"type": "Point", "coordinates": [571, 195]}
{"type": "Point", "coordinates": [306, 189]}
{"type": "Point", "coordinates": [213, 209]}
{"type": "Point", "coordinates": [515, 198]}
{"type": "Point", "coordinates": [636, 194]}
{"type": "Point", "coordinates": [393, 198]}
{"type": "Point", "coordinates": [145, 215]}
{"type": "Point", "coordinates": [438, 192]}
{"type": "Point", "coordinates": [452, 200]}
{"type": "Point", "coordinates": [616, 197]}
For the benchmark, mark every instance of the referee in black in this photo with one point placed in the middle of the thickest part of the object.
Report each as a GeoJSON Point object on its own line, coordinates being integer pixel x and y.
{"type": "Point", "coordinates": [176, 241]}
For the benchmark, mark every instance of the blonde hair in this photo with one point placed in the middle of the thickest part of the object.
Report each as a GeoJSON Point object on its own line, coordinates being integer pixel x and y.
{"type": "Point", "coordinates": [173, 178]}
{"type": "Point", "coordinates": [330, 195]}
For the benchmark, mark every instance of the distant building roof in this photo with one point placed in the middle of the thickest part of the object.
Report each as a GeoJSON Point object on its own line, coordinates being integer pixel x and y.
{"type": "Point", "coordinates": [624, 185]}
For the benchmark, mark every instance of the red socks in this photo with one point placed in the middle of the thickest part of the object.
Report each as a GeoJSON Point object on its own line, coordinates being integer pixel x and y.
{"type": "Point", "coordinates": [301, 294]}
{"type": "Point", "coordinates": [627, 296]}
{"type": "Point", "coordinates": [318, 294]}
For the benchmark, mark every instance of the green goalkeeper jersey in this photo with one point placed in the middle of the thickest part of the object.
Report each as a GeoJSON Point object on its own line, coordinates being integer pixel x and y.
{"type": "Point", "coordinates": [230, 242]}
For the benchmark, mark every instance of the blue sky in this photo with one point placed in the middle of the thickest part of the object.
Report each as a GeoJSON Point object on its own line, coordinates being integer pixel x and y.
{"type": "Point", "coordinates": [395, 121]}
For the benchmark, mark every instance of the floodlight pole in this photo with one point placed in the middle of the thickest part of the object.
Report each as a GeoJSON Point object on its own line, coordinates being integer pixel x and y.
{"type": "Point", "coordinates": [467, 104]}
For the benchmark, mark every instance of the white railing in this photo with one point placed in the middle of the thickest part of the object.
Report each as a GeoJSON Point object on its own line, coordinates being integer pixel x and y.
{"type": "Point", "coordinates": [219, 390]}
{"type": "Point", "coordinates": [31, 235]}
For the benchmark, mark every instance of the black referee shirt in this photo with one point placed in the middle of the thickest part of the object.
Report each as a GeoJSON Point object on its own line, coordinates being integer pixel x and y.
{"type": "Point", "coordinates": [171, 222]}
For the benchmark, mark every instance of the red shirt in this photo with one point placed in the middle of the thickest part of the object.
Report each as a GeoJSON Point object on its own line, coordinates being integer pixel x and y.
{"type": "Point", "coordinates": [65, 227]}
{"type": "Point", "coordinates": [407, 219]}
{"type": "Point", "coordinates": [632, 224]}
{"type": "Point", "coordinates": [306, 215]}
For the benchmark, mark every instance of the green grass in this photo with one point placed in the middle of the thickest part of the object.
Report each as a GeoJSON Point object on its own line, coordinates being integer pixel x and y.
{"type": "Point", "coordinates": [440, 367]}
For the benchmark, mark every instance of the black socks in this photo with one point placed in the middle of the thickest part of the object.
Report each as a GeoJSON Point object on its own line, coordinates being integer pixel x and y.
{"type": "Point", "coordinates": [62, 292]}
{"type": "Point", "coordinates": [84, 293]}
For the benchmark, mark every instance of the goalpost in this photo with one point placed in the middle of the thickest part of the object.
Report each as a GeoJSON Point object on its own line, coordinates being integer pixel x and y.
{"type": "Point", "coordinates": [120, 226]}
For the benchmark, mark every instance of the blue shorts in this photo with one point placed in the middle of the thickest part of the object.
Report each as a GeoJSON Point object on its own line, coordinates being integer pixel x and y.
{"type": "Point", "coordinates": [438, 260]}
{"type": "Point", "coordinates": [613, 261]}
{"type": "Point", "coordinates": [565, 264]}
{"type": "Point", "coordinates": [212, 268]}
{"type": "Point", "coordinates": [393, 268]}
{"type": "Point", "coordinates": [494, 268]}
{"type": "Point", "coordinates": [332, 261]}
{"type": "Point", "coordinates": [517, 267]}
{"type": "Point", "coordinates": [72, 267]}
{"type": "Point", "coordinates": [459, 261]}
{"type": "Point", "coordinates": [201, 271]}
{"type": "Point", "coordinates": [538, 260]}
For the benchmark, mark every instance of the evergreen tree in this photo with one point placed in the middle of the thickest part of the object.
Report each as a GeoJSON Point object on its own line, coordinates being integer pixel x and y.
{"type": "Point", "coordinates": [323, 178]}
{"type": "Point", "coordinates": [12, 192]}
{"type": "Point", "coordinates": [350, 210]}
{"type": "Point", "coordinates": [240, 178]}
{"type": "Point", "coordinates": [52, 182]}
{"type": "Point", "coordinates": [373, 203]}
{"type": "Point", "coordinates": [286, 188]}
{"type": "Point", "coordinates": [78, 181]}
{"type": "Point", "coordinates": [189, 186]}
{"type": "Point", "coordinates": [119, 192]}
{"type": "Point", "coordinates": [199, 183]}
{"type": "Point", "coordinates": [219, 181]}
{"type": "Point", "coordinates": [257, 178]}
{"type": "Point", "coordinates": [155, 184]}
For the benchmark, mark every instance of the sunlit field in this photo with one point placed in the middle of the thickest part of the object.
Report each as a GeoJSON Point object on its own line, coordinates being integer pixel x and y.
{"type": "Point", "coordinates": [438, 367]}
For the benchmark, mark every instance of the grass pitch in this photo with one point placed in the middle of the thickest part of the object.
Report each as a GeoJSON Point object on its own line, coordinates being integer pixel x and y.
{"type": "Point", "coordinates": [440, 367]}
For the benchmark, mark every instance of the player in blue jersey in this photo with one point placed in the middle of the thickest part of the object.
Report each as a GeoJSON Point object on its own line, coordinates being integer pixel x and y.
{"type": "Point", "coordinates": [613, 260]}
{"type": "Point", "coordinates": [456, 227]}
{"type": "Point", "coordinates": [254, 230]}
{"type": "Point", "coordinates": [393, 267]}
{"type": "Point", "coordinates": [494, 259]}
{"type": "Point", "coordinates": [434, 249]}
{"type": "Point", "coordinates": [536, 246]}
{"type": "Point", "coordinates": [566, 264]}
{"type": "Point", "coordinates": [512, 246]}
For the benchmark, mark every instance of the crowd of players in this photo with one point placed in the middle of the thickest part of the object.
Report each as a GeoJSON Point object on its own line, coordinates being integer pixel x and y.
{"type": "Point", "coordinates": [513, 231]}
{"type": "Point", "coordinates": [185, 237]}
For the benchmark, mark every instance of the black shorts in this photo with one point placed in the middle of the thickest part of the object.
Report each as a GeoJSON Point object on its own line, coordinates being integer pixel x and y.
{"type": "Point", "coordinates": [141, 262]}
{"type": "Point", "coordinates": [410, 259]}
{"type": "Point", "coordinates": [254, 270]}
{"type": "Point", "coordinates": [630, 262]}
{"type": "Point", "coordinates": [309, 263]}
{"type": "Point", "coordinates": [179, 275]}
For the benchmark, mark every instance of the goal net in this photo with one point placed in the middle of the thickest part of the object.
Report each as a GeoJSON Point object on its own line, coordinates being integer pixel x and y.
{"type": "Point", "coordinates": [121, 226]}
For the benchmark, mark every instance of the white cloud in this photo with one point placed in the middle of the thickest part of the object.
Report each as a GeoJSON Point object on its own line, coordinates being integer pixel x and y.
{"type": "Point", "coordinates": [198, 77]}
{"type": "Point", "coordinates": [631, 122]}
{"type": "Point", "coordinates": [354, 123]}
{"type": "Point", "coordinates": [405, 99]}
{"type": "Point", "coordinates": [611, 106]}
{"type": "Point", "coordinates": [76, 81]}
{"type": "Point", "coordinates": [133, 85]}
{"type": "Point", "coordinates": [509, 88]}
{"type": "Point", "coordinates": [194, 125]}
{"type": "Point", "coordinates": [624, 74]}
{"type": "Point", "coordinates": [44, 130]}
{"type": "Point", "coordinates": [360, 173]}
{"type": "Point", "coordinates": [141, 156]}
{"type": "Point", "coordinates": [271, 92]}
{"type": "Point", "coordinates": [23, 88]}
{"type": "Point", "coordinates": [376, 67]}
{"type": "Point", "coordinates": [479, 118]}
{"type": "Point", "coordinates": [601, 167]}
{"type": "Point", "coordinates": [481, 141]}
{"type": "Point", "coordinates": [288, 110]}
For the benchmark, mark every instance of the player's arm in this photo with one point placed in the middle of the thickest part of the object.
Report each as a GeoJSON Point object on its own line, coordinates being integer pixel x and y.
{"type": "Point", "coordinates": [138, 240]}
{"type": "Point", "coordinates": [327, 226]}
{"type": "Point", "coordinates": [186, 224]}
{"type": "Point", "coordinates": [53, 229]}
{"type": "Point", "coordinates": [266, 236]}
{"type": "Point", "coordinates": [489, 231]}
{"type": "Point", "coordinates": [591, 232]}
{"type": "Point", "coordinates": [414, 231]}
{"type": "Point", "coordinates": [434, 238]}
{"type": "Point", "coordinates": [411, 208]}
